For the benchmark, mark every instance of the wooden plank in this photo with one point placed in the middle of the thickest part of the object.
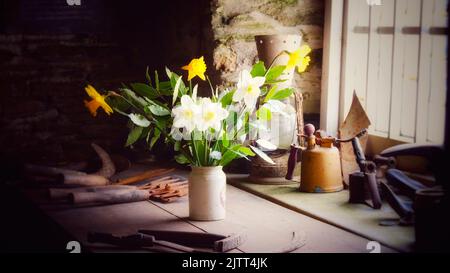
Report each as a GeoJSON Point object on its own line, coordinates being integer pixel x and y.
{"type": "Point", "coordinates": [405, 72]}
{"type": "Point", "coordinates": [269, 226]}
{"type": "Point", "coordinates": [333, 208]}
{"type": "Point", "coordinates": [438, 76]}
{"type": "Point", "coordinates": [380, 67]}
{"type": "Point", "coordinates": [355, 54]}
{"type": "Point", "coordinates": [433, 74]}
{"type": "Point", "coordinates": [331, 66]}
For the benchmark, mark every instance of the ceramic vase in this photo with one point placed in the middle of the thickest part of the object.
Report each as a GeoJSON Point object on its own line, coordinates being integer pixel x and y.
{"type": "Point", "coordinates": [207, 193]}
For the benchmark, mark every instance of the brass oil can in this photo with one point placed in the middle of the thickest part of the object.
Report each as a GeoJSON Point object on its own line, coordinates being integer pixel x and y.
{"type": "Point", "coordinates": [320, 164]}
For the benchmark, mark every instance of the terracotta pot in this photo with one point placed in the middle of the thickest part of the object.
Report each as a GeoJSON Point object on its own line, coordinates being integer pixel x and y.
{"type": "Point", "coordinates": [269, 46]}
{"type": "Point", "coordinates": [207, 193]}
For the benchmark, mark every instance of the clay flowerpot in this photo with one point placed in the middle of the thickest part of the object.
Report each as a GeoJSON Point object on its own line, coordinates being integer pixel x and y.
{"type": "Point", "coordinates": [207, 193]}
{"type": "Point", "coordinates": [269, 46]}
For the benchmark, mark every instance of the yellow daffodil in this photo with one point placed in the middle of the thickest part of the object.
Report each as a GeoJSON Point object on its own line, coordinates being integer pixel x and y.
{"type": "Point", "coordinates": [299, 58]}
{"type": "Point", "coordinates": [196, 67]}
{"type": "Point", "coordinates": [96, 102]}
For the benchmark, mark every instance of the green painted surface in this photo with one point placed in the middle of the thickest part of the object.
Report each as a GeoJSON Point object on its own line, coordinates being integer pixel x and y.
{"type": "Point", "coordinates": [333, 208]}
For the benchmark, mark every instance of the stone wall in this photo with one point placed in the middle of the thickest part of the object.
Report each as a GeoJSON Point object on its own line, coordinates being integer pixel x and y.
{"type": "Point", "coordinates": [236, 22]}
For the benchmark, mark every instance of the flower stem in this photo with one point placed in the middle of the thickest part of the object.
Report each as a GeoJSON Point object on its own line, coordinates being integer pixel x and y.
{"type": "Point", "coordinates": [212, 88]}
{"type": "Point", "coordinates": [273, 61]}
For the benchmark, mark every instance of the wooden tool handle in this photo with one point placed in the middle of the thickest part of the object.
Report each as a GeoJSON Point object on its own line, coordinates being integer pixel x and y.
{"type": "Point", "coordinates": [119, 196]}
{"type": "Point", "coordinates": [292, 162]}
{"type": "Point", "coordinates": [143, 176]}
{"type": "Point", "coordinates": [87, 180]}
{"type": "Point", "coordinates": [55, 193]}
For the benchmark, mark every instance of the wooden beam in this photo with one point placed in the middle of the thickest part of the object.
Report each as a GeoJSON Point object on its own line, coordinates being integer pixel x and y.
{"type": "Point", "coordinates": [331, 71]}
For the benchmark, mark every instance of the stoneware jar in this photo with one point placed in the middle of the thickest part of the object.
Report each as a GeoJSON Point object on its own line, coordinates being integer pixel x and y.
{"type": "Point", "coordinates": [207, 193]}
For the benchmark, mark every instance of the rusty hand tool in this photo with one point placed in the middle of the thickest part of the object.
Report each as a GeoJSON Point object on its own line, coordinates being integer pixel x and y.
{"type": "Point", "coordinates": [159, 183]}
{"type": "Point", "coordinates": [216, 242]}
{"type": "Point", "coordinates": [138, 240]}
{"type": "Point", "coordinates": [363, 185]}
{"type": "Point", "coordinates": [167, 190]}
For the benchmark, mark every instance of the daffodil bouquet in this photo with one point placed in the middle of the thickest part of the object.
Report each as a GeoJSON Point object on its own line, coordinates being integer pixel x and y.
{"type": "Point", "coordinates": [204, 131]}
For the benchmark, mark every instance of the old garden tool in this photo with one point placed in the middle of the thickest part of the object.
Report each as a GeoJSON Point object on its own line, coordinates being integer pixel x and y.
{"type": "Point", "coordinates": [214, 242]}
{"type": "Point", "coordinates": [70, 177]}
{"type": "Point", "coordinates": [138, 241]}
{"type": "Point", "coordinates": [415, 203]}
{"type": "Point", "coordinates": [190, 242]}
{"type": "Point", "coordinates": [363, 184]}
{"type": "Point", "coordinates": [356, 121]}
{"type": "Point", "coordinates": [321, 165]}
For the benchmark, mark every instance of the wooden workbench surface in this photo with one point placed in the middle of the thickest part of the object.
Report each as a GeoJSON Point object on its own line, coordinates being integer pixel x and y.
{"type": "Point", "coordinates": [268, 226]}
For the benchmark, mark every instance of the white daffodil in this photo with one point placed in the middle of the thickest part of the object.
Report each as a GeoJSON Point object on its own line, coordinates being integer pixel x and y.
{"type": "Point", "coordinates": [216, 155]}
{"type": "Point", "coordinates": [248, 89]}
{"type": "Point", "coordinates": [185, 115]}
{"type": "Point", "coordinates": [211, 115]}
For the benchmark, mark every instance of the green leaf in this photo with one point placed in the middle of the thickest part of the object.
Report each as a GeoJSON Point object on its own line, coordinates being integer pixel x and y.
{"type": "Point", "coordinates": [275, 72]}
{"type": "Point", "coordinates": [169, 73]}
{"type": "Point", "coordinates": [134, 135]}
{"type": "Point", "coordinates": [227, 157]}
{"type": "Point", "coordinates": [177, 146]}
{"type": "Point", "coordinates": [258, 69]}
{"type": "Point", "coordinates": [155, 138]}
{"type": "Point", "coordinates": [200, 149]}
{"type": "Point", "coordinates": [139, 120]}
{"type": "Point", "coordinates": [165, 88]}
{"type": "Point", "coordinates": [156, 81]}
{"type": "Point", "coordinates": [144, 90]}
{"type": "Point", "coordinates": [161, 123]}
{"type": "Point", "coordinates": [271, 93]}
{"type": "Point", "coordinates": [264, 113]}
{"type": "Point", "coordinates": [246, 151]}
{"type": "Point", "coordinates": [266, 145]}
{"type": "Point", "coordinates": [194, 92]}
{"type": "Point", "coordinates": [275, 82]}
{"type": "Point", "coordinates": [174, 81]}
{"type": "Point", "coordinates": [175, 90]}
{"type": "Point", "coordinates": [181, 159]}
{"type": "Point", "coordinates": [231, 154]}
{"type": "Point", "coordinates": [262, 155]}
{"type": "Point", "coordinates": [118, 104]}
{"type": "Point", "coordinates": [282, 94]}
{"type": "Point", "coordinates": [227, 99]}
{"type": "Point", "coordinates": [133, 98]}
{"type": "Point", "coordinates": [147, 76]}
{"type": "Point", "coordinates": [158, 110]}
